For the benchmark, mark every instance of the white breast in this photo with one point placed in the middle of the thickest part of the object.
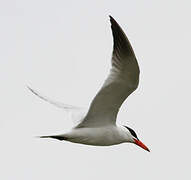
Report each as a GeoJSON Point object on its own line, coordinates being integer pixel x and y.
{"type": "Point", "coordinates": [98, 136]}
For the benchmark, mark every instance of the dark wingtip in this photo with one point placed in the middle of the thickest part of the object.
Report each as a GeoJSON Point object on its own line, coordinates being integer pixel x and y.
{"type": "Point", "coordinates": [32, 90]}
{"type": "Point", "coordinates": [112, 20]}
{"type": "Point", "coordinates": [122, 46]}
{"type": "Point", "coordinates": [29, 88]}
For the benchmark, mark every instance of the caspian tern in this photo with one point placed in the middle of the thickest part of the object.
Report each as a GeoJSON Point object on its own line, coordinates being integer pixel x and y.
{"type": "Point", "coordinates": [98, 126]}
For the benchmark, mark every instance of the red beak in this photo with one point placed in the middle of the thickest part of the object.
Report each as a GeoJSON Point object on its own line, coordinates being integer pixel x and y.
{"type": "Point", "coordinates": [139, 143]}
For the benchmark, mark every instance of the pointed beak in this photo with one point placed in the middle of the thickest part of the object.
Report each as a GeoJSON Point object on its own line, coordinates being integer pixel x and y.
{"type": "Point", "coordinates": [139, 143]}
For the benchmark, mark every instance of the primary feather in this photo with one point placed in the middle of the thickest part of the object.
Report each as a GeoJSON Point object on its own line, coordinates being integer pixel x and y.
{"type": "Point", "coordinates": [121, 82]}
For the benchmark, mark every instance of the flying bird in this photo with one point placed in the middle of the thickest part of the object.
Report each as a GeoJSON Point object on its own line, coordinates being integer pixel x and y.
{"type": "Point", "coordinates": [98, 125]}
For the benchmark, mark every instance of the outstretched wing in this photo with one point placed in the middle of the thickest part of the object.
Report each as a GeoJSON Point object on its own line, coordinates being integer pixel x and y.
{"type": "Point", "coordinates": [56, 103]}
{"type": "Point", "coordinates": [76, 114]}
{"type": "Point", "coordinates": [121, 82]}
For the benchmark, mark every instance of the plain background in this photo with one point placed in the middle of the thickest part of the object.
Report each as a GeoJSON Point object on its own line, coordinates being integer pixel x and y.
{"type": "Point", "coordinates": [63, 49]}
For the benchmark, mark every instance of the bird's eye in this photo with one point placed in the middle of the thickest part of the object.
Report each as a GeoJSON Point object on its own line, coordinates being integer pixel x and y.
{"type": "Point", "coordinates": [132, 132]}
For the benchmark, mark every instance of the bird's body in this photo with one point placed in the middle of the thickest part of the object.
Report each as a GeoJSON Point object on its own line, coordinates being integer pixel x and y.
{"type": "Point", "coordinates": [97, 136]}
{"type": "Point", "coordinates": [98, 126]}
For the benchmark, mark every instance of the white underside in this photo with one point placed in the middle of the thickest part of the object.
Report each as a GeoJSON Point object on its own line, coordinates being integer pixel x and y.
{"type": "Point", "coordinates": [98, 136]}
{"type": "Point", "coordinates": [97, 125]}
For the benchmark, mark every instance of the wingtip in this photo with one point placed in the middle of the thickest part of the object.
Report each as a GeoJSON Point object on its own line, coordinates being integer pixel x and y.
{"type": "Point", "coordinates": [111, 19]}
{"type": "Point", "coordinates": [32, 90]}
{"type": "Point", "coordinates": [28, 87]}
{"type": "Point", "coordinates": [110, 16]}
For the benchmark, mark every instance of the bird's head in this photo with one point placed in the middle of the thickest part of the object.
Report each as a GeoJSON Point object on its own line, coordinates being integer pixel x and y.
{"type": "Point", "coordinates": [132, 137]}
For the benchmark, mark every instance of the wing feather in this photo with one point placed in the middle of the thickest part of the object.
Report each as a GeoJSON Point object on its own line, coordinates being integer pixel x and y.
{"type": "Point", "coordinates": [55, 103]}
{"type": "Point", "coordinates": [74, 113]}
{"type": "Point", "coordinates": [121, 82]}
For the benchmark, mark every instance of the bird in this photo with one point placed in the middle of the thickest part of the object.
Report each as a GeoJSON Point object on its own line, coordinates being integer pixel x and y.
{"type": "Point", "coordinates": [97, 125]}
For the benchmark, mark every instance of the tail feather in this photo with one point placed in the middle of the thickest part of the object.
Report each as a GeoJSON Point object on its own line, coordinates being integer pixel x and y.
{"type": "Point", "coordinates": [59, 137]}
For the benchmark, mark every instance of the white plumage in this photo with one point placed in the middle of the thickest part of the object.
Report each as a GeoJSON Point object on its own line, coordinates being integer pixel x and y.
{"type": "Point", "coordinates": [97, 126]}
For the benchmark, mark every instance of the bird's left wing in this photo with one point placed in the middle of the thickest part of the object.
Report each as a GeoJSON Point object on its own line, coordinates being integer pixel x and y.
{"type": "Point", "coordinates": [121, 82]}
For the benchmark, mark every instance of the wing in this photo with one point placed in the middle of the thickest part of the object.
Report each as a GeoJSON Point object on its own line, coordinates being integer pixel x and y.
{"type": "Point", "coordinates": [121, 82]}
{"type": "Point", "coordinates": [56, 103]}
{"type": "Point", "coordinates": [76, 114]}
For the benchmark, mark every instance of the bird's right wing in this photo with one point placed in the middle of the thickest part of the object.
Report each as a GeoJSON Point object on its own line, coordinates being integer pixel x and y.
{"type": "Point", "coordinates": [56, 103]}
{"type": "Point", "coordinates": [76, 114]}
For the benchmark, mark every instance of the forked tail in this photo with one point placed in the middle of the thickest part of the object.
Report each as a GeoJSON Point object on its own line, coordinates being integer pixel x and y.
{"type": "Point", "coordinates": [59, 137]}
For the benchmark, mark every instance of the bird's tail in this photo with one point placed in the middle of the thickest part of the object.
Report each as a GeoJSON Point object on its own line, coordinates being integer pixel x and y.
{"type": "Point", "coordinates": [42, 136]}
{"type": "Point", "coordinates": [59, 137]}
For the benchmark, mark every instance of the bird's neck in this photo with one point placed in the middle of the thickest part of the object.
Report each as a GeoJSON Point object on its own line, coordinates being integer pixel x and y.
{"type": "Point", "coordinates": [124, 133]}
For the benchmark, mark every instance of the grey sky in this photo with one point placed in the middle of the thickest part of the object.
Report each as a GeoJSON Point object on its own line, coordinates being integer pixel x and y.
{"type": "Point", "coordinates": [63, 49]}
